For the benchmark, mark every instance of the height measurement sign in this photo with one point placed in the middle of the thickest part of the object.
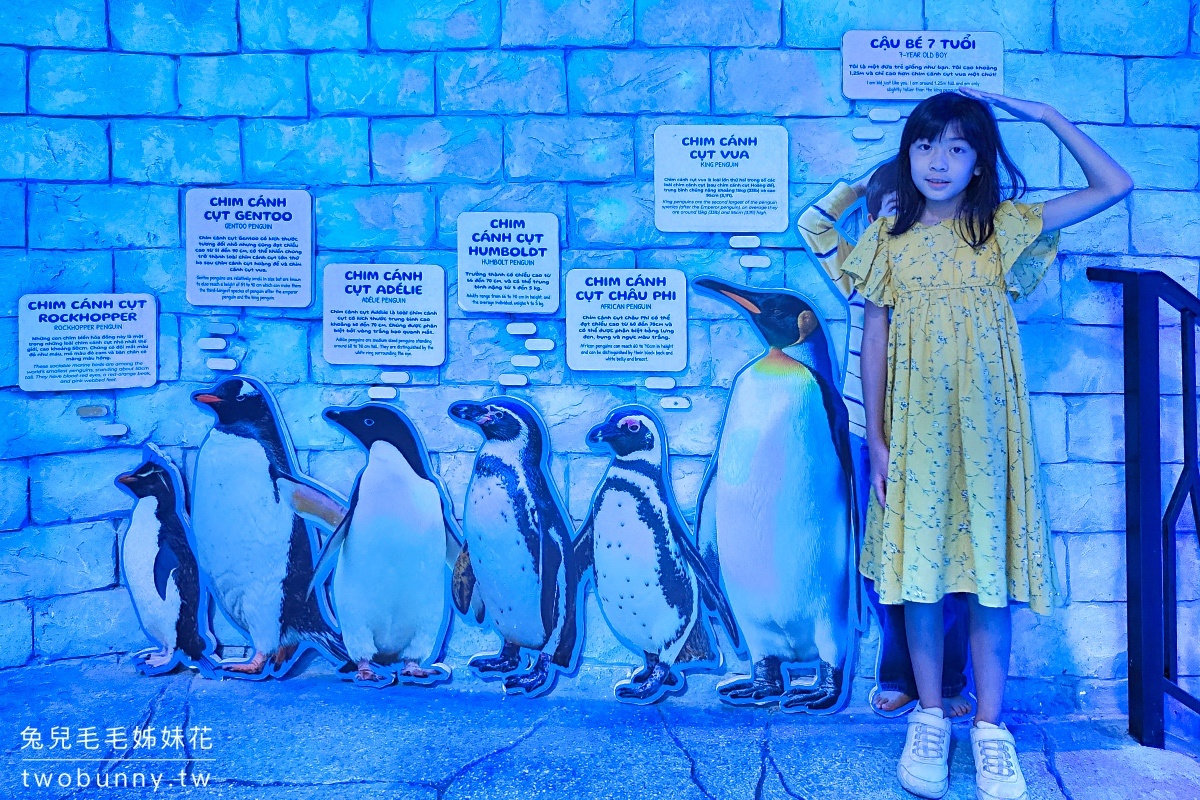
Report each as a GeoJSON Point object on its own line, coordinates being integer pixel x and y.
{"type": "Point", "coordinates": [627, 320]}
{"type": "Point", "coordinates": [249, 247]}
{"type": "Point", "coordinates": [912, 65]}
{"type": "Point", "coordinates": [508, 262]}
{"type": "Point", "coordinates": [721, 178]}
{"type": "Point", "coordinates": [72, 342]}
{"type": "Point", "coordinates": [384, 314]}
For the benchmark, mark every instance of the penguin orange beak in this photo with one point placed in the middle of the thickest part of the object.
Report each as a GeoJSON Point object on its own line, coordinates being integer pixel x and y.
{"type": "Point", "coordinates": [207, 399]}
{"type": "Point", "coordinates": [126, 479]}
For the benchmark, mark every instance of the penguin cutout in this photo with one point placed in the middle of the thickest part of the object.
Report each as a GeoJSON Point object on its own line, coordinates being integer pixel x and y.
{"type": "Point", "coordinates": [651, 583]}
{"type": "Point", "coordinates": [251, 514]}
{"type": "Point", "coordinates": [391, 554]}
{"type": "Point", "coordinates": [521, 550]}
{"type": "Point", "coordinates": [159, 565]}
{"type": "Point", "coordinates": [777, 515]}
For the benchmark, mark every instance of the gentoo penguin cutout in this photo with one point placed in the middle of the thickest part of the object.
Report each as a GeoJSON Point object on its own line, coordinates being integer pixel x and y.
{"type": "Point", "coordinates": [159, 564]}
{"type": "Point", "coordinates": [777, 514]}
{"type": "Point", "coordinates": [651, 583]}
{"type": "Point", "coordinates": [520, 546]}
{"type": "Point", "coordinates": [251, 511]}
{"type": "Point", "coordinates": [391, 555]}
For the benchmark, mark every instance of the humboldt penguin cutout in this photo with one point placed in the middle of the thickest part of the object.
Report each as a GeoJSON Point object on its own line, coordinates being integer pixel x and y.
{"type": "Point", "coordinates": [651, 584]}
{"type": "Point", "coordinates": [777, 515]}
{"type": "Point", "coordinates": [158, 560]}
{"type": "Point", "coordinates": [253, 516]}
{"type": "Point", "coordinates": [391, 555]}
{"type": "Point", "coordinates": [520, 549]}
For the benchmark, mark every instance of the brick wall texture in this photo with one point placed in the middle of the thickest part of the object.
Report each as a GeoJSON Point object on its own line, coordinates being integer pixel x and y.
{"type": "Point", "coordinates": [417, 111]}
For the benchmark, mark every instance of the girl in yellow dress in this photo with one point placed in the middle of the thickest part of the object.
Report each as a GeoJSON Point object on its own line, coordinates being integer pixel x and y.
{"type": "Point", "coordinates": [957, 498]}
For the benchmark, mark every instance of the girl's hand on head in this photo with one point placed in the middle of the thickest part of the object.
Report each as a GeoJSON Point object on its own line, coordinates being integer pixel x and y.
{"type": "Point", "coordinates": [1026, 110]}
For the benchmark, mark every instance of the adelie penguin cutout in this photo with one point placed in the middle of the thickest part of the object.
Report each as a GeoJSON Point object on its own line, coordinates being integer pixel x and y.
{"type": "Point", "coordinates": [159, 563]}
{"type": "Point", "coordinates": [253, 517]}
{"type": "Point", "coordinates": [651, 583]}
{"type": "Point", "coordinates": [392, 555]}
{"type": "Point", "coordinates": [777, 513]}
{"type": "Point", "coordinates": [521, 549]}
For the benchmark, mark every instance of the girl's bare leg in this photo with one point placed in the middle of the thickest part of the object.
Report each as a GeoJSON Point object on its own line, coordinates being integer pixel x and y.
{"type": "Point", "coordinates": [991, 644]}
{"type": "Point", "coordinates": [926, 638]}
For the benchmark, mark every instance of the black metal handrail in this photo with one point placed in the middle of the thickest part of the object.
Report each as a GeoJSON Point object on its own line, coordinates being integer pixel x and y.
{"type": "Point", "coordinates": [1150, 530]}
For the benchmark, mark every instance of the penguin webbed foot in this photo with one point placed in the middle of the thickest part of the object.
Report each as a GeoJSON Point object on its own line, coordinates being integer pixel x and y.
{"type": "Point", "coordinates": [507, 660]}
{"type": "Point", "coordinates": [252, 667]}
{"type": "Point", "coordinates": [283, 655]}
{"type": "Point", "coordinates": [763, 686]}
{"type": "Point", "coordinates": [821, 696]}
{"type": "Point", "coordinates": [533, 683]}
{"type": "Point", "coordinates": [367, 676]}
{"type": "Point", "coordinates": [655, 682]}
{"type": "Point", "coordinates": [153, 662]}
{"type": "Point", "coordinates": [417, 675]}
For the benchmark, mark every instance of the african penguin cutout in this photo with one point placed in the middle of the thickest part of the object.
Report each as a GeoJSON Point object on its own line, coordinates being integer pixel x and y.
{"type": "Point", "coordinates": [391, 555]}
{"type": "Point", "coordinates": [251, 515]}
{"type": "Point", "coordinates": [519, 541]}
{"type": "Point", "coordinates": [777, 514]}
{"type": "Point", "coordinates": [159, 566]}
{"type": "Point", "coordinates": [651, 583]}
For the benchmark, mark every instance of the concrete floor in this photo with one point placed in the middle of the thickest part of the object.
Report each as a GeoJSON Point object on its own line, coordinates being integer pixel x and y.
{"type": "Point", "coordinates": [315, 735]}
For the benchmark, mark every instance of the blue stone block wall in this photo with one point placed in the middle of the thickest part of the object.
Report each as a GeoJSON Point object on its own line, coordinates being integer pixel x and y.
{"type": "Point", "coordinates": [400, 115]}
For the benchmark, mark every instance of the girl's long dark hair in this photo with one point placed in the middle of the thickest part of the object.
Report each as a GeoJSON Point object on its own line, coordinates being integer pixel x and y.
{"type": "Point", "coordinates": [975, 123]}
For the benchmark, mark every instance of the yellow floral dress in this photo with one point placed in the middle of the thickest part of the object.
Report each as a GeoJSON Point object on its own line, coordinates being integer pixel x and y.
{"type": "Point", "coordinates": [965, 510]}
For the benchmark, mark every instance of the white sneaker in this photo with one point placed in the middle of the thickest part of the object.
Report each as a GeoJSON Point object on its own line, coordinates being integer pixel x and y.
{"type": "Point", "coordinates": [923, 768]}
{"type": "Point", "coordinates": [997, 771]}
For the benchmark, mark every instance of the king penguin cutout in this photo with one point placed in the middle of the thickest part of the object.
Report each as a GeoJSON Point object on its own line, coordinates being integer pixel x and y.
{"type": "Point", "coordinates": [651, 583]}
{"type": "Point", "coordinates": [390, 554]}
{"type": "Point", "coordinates": [521, 548]}
{"type": "Point", "coordinates": [777, 515]}
{"type": "Point", "coordinates": [251, 516]}
{"type": "Point", "coordinates": [159, 563]}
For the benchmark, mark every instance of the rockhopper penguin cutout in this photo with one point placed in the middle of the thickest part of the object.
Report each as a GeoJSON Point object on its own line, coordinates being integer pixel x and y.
{"type": "Point", "coordinates": [158, 560]}
{"type": "Point", "coordinates": [777, 514]}
{"type": "Point", "coordinates": [651, 583]}
{"type": "Point", "coordinates": [521, 550]}
{"type": "Point", "coordinates": [252, 516]}
{"type": "Point", "coordinates": [392, 555]}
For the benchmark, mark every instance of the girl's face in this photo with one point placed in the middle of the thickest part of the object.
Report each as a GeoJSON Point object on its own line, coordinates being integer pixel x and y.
{"type": "Point", "coordinates": [942, 168]}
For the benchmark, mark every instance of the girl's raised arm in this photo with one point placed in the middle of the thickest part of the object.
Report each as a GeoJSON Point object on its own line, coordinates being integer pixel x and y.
{"type": "Point", "coordinates": [1108, 182]}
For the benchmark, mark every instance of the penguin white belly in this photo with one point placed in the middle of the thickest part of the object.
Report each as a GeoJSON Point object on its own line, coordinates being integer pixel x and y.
{"type": "Point", "coordinates": [243, 534]}
{"type": "Point", "coordinates": [138, 552]}
{"type": "Point", "coordinates": [505, 574]}
{"type": "Point", "coordinates": [782, 526]}
{"type": "Point", "coordinates": [628, 583]}
{"type": "Point", "coordinates": [389, 586]}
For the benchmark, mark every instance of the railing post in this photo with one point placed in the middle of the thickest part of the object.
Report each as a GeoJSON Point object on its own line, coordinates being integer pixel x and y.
{"type": "Point", "coordinates": [1143, 497]}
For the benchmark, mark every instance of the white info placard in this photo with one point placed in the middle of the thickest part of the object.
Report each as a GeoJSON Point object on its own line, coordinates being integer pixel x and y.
{"type": "Point", "coordinates": [627, 320]}
{"type": "Point", "coordinates": [721, 178]}
{"type": "Point", "coordinates": [912, 65]}
{"type": "Point", "coordinates": [508, 262]}
{"type": "Point", "coordinates": [72, 342]}
{"type": "Point", "coordinates": [385, 314]}
{"type": "Point", "coordinates": [249, 247]}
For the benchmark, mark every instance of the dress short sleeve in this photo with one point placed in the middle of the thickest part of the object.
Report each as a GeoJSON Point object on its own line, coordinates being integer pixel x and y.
{"type": "Point", "coordinates": [1024, 251]}
{"type": "Point", "coordinates": [869, 265]}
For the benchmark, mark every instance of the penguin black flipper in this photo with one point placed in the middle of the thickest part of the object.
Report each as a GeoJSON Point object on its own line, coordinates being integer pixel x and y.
{"type": "Point", "coordinates": [309, 502]}
{"type": "Point", "coordinates": [331, 548]}
{"type": "Point", "coordinates": [835, 409]}
{"type": "Point", "coordinates": [584, 546]}
{"type": "Point", "coordinates": [708, 587]}
{"type": "Point", "coordinates": [165, 562]}
{"type": "Point", "coordinates": [557, 547]}
{"type": "Point", "coordinates": [462, 587]}
{"type": "Point", "coordinates": [706, 525]}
